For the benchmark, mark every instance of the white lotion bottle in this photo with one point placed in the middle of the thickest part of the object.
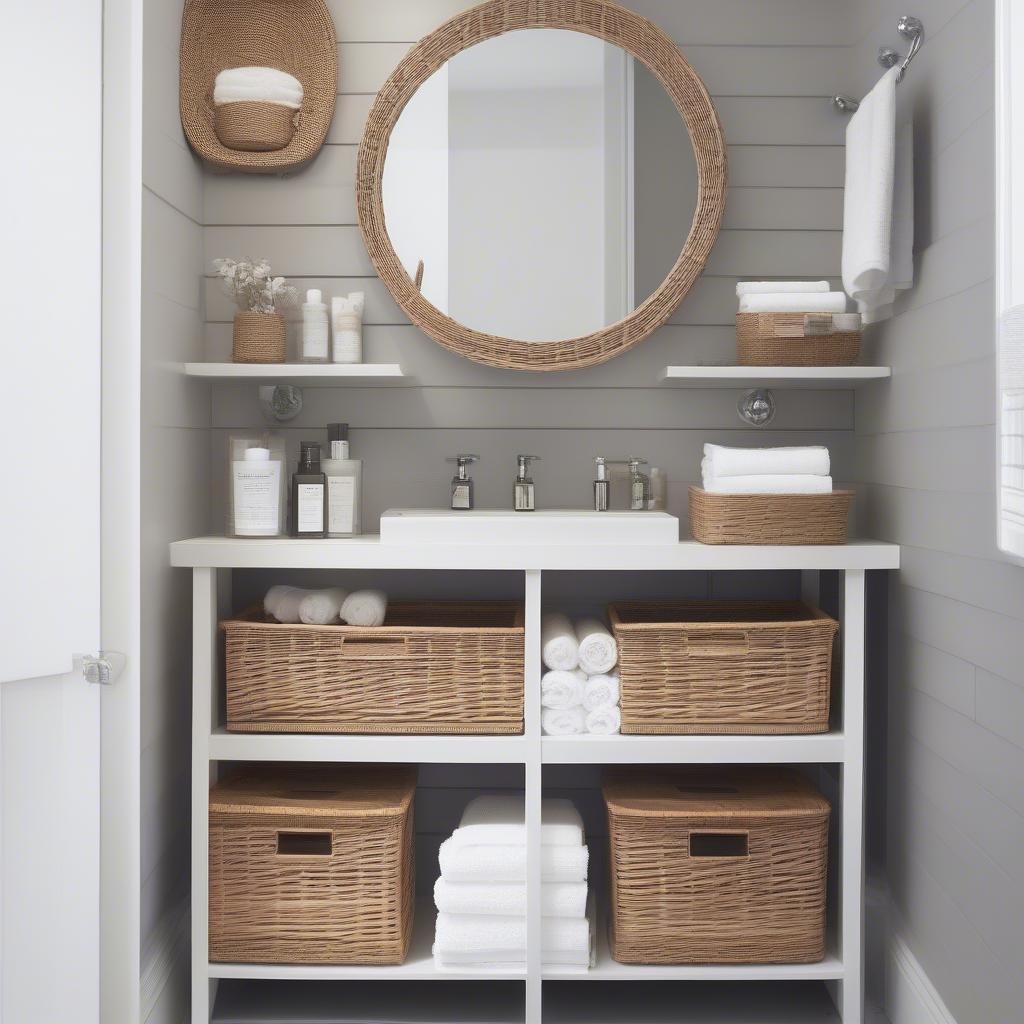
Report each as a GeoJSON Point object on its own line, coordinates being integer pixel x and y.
{"type": "Point", "coordinates": [256, 494]}
{"type": "Point", "coordinates": [344, 484]}
{"type": "Point", "coordinates": [315, 328]}
{"type": "Point", "coordinates": [347, 322]}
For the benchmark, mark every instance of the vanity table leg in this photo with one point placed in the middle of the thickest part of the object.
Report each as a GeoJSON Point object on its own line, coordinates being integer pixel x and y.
{"type": "Point", "coordinates": [534, 793]}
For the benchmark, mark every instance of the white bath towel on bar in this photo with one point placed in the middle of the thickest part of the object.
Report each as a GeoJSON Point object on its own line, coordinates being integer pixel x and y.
{"type": "Point", "coordinates": [598, 650]}
{"type": "Point", "coordinates": [563, 721]}
{"type": "Point", "coordinates": [794, 302]}
{"type": "Point", "coordinates": [561, 690]}
{"type": "Point", "coordinates": [779, 484]}
{"type": "Point", "coordinates": [600, 689]}
{"type": "Point", "coordinates": [508, 863]}
{"type": "Point", "coordinates": [500, 820]}
{"type": "Point", "coordinates": [760, 287]}
{"type": "Point", "coordinates": [557, 899]}
{"type": "Point", "coordinates": [720, 461]}
{"type": "Point", "coordinates": [559, 649]}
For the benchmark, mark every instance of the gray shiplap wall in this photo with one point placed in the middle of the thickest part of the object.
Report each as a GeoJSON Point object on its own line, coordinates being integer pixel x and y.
{"type": "Point", "coordinates": [926, 459]}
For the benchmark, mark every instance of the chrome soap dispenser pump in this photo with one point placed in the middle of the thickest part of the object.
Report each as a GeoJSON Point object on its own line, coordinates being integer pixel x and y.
{"type": "Point", "coordinates": [600, 484]}
{"type": "Point", "coordinates": [523, 496]}
{"type": "Point", "coordinates": [462, 482]}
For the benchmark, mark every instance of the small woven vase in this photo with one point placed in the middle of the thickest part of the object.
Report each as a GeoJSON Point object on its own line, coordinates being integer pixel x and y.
{"type": "Point", "coordinates": [259, 338]}
{"type": "Point", "coordinates": [254, 127]}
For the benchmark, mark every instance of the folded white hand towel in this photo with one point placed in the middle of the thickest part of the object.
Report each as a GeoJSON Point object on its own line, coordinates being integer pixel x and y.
{"type": "Point", "coordinates": [598, 690]}
{"type": "Point", "coordinates": [774, 287]}
{"type": "Point", "coordinates": [320, 607]}
{"type": "Point", "coordinates": [563, 721]}
{"type": "Point", "coordinates": [508, 863]}
{"type": "Point", "coordinates": [605, 720]}
{"type": "Point", "coordinates": [771, 484]}
{"type": "Point", "coordinates": [273, 597]}
{"type": "Point", "coordinates": [794, 302]}
{"type": "Point", "coordinates": [719, 461]}
{"type": "Point", "coordinates": [598, 650]}
{"type": "Point", "coordinates": [286, 603]}
{"type": "Point", "coordinates": [472, 933]}
{"type": "Point", "coordinates": [559, 648]}
{"type": "Point", "coordinates": [365, 608]}
{"type": "Point", "coordinates": [557, 899]}
{"type": "Point", "coordinates": [260, 85]}
{"type": "Point", "coordinates": [500, 820]}
{"type": "Point", "coordinates": [561, 690]}
{"type": "Point", "coordinates": [258, 94]}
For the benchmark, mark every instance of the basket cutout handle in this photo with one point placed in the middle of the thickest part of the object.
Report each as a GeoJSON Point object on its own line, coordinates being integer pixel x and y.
{"type": "Point", "coordinates": [304, 844]}
{"type": "Point", "coordinates": [718, 643]}
{"type": "Point", "coordinates": [719, 845]}
{"type": "Point", "coordinates": [375, 648]}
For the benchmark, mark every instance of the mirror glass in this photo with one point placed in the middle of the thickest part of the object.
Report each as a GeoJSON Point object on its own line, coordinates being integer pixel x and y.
{"type": "Point", "coordinates": [545, 181]}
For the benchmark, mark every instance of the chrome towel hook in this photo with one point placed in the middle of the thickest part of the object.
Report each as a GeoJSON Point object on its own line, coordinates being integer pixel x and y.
{"type": "Point", "coordinates": [910, 28]}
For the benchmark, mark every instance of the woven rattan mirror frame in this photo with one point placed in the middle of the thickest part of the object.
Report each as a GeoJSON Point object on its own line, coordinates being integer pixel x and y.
{"type": "Point", "coordinates": [644, 41]}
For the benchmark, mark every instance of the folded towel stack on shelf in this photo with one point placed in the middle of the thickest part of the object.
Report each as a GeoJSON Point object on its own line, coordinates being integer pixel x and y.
{"type": "Point", "coordinates": [481, 893]}
{"type": "Point", "coordinates": [797, 297]}
{"type": "Point", "coordinates": [766, 470]}
{"type": "Point", "coordinates": [326, 607]}
{"type": "Point", "coordinates": [579, 690]}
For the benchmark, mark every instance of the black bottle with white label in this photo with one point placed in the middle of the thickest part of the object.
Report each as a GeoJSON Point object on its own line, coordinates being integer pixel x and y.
{"type": "Point", "coordinates": [309, 494]}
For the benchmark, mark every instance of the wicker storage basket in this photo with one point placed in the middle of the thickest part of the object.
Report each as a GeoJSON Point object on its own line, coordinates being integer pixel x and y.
{"type": "Point", "coordinates": [712, 668]}
{"type": "Point", "coordinates": [769, 518]}
{"type": "Point", "coordinates": [259, 338]}
{"type": "Point", "coordinates": [716, 866]}
{"type": "Point", "coordinates": [793, 339]}
{"type": "Point", "coordinates": [254, 127]}
{"type": "Point", "coordinates": [432, 668]}
{"type": "Point", "coordinates": [312, 866]}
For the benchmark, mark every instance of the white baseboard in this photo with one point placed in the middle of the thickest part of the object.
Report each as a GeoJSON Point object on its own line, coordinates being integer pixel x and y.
{"type": "Point", "coordinates": [910, 997]}
{"type": "Point", "coordinates": [165, 958]}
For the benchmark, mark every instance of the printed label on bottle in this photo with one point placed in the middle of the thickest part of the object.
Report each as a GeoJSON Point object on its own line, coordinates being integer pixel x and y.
{"type": "Point", "coordinates": [256, 498]}
{"type": "Point", "coordinates": [310, 512]}
{"type": "Point", "coordinates": [341, 504]}
{"type": "Point", "coordinates": [460, 496]}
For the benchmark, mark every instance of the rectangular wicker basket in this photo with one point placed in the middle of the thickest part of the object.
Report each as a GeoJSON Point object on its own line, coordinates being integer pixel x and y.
{"type": "Point", "coordinates": [793, 339]}
{"type": "Point", "coordinates": [715, 668]}
{"type": "Point", "coordinates": [770, 518]}
{"type": "Point", "coordinates": [312, 865]}
{"type": "Point", "coordinates": [716, 866]}
{"type": "Point", "coordinates": [432, 668]}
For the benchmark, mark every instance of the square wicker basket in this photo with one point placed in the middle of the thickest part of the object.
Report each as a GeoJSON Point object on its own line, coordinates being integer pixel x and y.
{"type": "Point", "coordinates": [712, 668]}
{"type": "Point", "coordinates": [716, 866]}
{"type": "Point", "coordinates": [793, 339]}
{"type": "Point", "coordinates": [312, 865]}
{"type": "Point", "coordinates": [431, 669]}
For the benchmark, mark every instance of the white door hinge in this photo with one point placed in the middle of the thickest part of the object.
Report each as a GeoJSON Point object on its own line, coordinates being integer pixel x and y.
{"type": "Point", "coordinates": [101, 669]}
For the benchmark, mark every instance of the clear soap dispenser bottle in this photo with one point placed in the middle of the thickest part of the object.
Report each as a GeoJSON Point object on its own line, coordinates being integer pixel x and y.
{"type": "Point", "coordinates": [523, 495]}
{"type": "Point", "coordinates": [344, 484]}
{"type": "Point", "coordinates": [639, 486]}
{"type": "Point", "coordinates": [462, 482]}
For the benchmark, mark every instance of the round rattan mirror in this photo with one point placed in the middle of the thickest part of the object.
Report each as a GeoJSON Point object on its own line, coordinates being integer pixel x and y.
{"type": "Point", "coordinates": [499, 180]}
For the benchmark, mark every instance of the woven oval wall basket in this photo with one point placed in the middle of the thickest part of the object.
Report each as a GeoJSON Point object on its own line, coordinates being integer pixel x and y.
{"type": "Point", "coordinates": [296, 36]}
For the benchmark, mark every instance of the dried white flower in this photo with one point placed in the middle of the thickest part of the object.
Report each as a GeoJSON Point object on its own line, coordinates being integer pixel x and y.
{"type": "Point", "coordinates": [251, 284]}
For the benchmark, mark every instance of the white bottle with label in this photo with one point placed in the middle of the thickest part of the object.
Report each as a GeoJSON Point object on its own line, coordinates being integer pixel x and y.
{"type": "Point", "coordinates": [256, 494]}
{"type": "Point", "coordinates": [344, 484]}
{"type": "Point", "coordinates": [316, 331]}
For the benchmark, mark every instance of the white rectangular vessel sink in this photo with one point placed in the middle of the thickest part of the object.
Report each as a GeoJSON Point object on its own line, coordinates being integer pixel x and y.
{"type": "Point", "coordinates": [544, 527]}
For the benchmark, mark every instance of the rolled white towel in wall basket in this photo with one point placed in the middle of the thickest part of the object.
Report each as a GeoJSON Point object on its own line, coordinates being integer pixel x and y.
{"type": "Point", "coordinates": [321, 607]}
{"type": "Point", "coordinates": [365, 608]}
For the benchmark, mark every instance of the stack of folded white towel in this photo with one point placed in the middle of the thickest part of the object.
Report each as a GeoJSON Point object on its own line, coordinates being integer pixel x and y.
{"type": "Point", "coordinates": [326, 607]}
{"type": "Point", "coordinates": [481, 894]}
{"type": "Point", "coordinates": [797, 297]}
{"type": "Point", "coordinates": [257, 85]}
{"type": "Point", "coordinates": [580, 689]}
{"type": "Point", "coordinates": [766, 470]}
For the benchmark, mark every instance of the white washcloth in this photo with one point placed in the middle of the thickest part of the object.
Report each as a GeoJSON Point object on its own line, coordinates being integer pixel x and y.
{"type": "Point", "coordinates": [877, 208]}
{"type": "Point", "coordinates": [503, 939]}
{"type": "Point", "coordinates": [598, 690]}
{"type": "Point", "coordinates": [286, 603]}
{"type": "Point", "coordinates": [559, 648]}
{"type": "Point", "coordinates": [273, 597]}
{"type": "Point", "coordinates": [320, 607]}
{"type": "Point", "coordinates": [508, 899]}
{"type": "Point", "coordinates": [365, 608]}
{"type": "Point", "coordinates": [258, 85]}
{"type": "Point", "coordinates": [605, 720]}
{"type": "Point", "coordinates": [508, 863]}
{"type": "Point", "coordinates": [793, 483]}
{"type": "Point", "coordinates": [561, 690]}
{"type": "Point", "coordinates": [762, 287]}
{"type": "Point", "coordinates": [719, 461]}
{"type": "Point", "coordinates": [794, 302]}
{"type": "Point", "coordinates": [500, 820]}
{"type": "Point", "coordinates": [563, 721]}
{"type": "Point", "coordinates": [598, 650]}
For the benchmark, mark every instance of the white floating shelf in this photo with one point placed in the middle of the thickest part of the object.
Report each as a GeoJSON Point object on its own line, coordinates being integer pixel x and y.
{"type": "Point", "coordinates": [818, 377]}
{"type": "Point", "coordinates": [306, 374]}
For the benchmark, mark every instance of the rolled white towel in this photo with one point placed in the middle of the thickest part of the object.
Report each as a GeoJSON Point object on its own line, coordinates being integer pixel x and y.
{"type": "Point", "coordinates": [365, 608]}
{"type": "Point", "coordinates": [286, 608]}
{"type": "Point", "coordinates": [508, 899]}
{"type": "Point", "coordinates": [720, 461]}
{"type": "Point", "coordinates": [794, 302]}
{"type": "Point", "coordinates": [605, 720]}
{"type": "Point", "coordinates": [320, 607]}
{"type": "Point", "coordinates": [559, 648]}
{"type": "Point", "coordinates": [772, 484]}
{"type": "Point", "coordinates": [508, 863]}
{"type": "Point", "coordinates": [598, 690]}
{"type": "Point", "coordinates": [273, 597]}
{"type": "Point", "coordinates": [563, 721]}
{"type": "Point", "coordinates": [499, 819]}
{"type": "Point", "coordinates": [257, 85]}
{"type": "Point", "coordinates": [598, 650]}
{"type": "Point", "coordinates": [775, 287]}
{"type": "Point", "coordinates": [561, 690]}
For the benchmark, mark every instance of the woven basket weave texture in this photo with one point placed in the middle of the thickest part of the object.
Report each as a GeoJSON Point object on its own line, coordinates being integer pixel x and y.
{"type": "Point", "coordinates": [259, 338]}
{"type": "Point", "coordinates": [312, 866]}
{"type": "Point", "coordinates": [777, 339]}
{"type": "Point", "coordinates": [713, 668]}
{"type": "Point", "coordinates": [433, 668]}
{"type": "Point", "coordinates": [257, 127]}
{"type": "Point", "coordinates": [716, 866]}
